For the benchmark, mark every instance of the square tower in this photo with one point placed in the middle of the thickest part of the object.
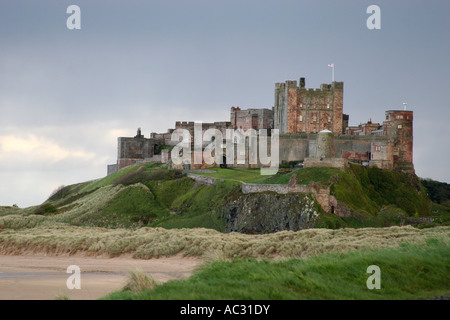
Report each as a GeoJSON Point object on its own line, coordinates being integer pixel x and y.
{"type": "Point", "coordinates": [398, 127]}
{"type": "Point", "coordinates": [298, 109]}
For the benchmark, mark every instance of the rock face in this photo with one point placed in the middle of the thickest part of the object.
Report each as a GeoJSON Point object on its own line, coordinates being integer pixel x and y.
{"type": "Point", "coordinates": [269, 212]}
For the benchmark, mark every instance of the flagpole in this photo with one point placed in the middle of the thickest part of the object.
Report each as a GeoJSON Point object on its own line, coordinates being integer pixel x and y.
{"type": "Point", "coordinates": [332, 71]}
{"type": "Point", "coordinates": [332, 76]}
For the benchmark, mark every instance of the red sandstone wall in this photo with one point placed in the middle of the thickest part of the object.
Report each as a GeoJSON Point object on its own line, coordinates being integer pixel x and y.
{"type": "Point", "coordinates": [319, 109]}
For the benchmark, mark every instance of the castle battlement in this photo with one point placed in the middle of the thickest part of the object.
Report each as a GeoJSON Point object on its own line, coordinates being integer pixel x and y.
{"type": "Point", "coordinates": [311, 124]}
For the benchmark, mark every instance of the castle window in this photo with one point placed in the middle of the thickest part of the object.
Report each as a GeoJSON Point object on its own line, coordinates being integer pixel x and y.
{"type": "Point", "coordinates": [328, 106]}
{"type": "Point", "coordinates": [399, 117]}
{"type": "Point", "coordinates": [301, 118]}
{"type": "Point", "coordinates": [301, 105]}
{"type": "Point", "coordinates": [314, 130]}
{"type": "Point", "coordinates": [315, 118]}
{"type": "Point", "coordinates": [377, 148]}
{"type": "Point", "coordinates": [329, 119]}
{"type": "Point", "coordinates": [399, 126]}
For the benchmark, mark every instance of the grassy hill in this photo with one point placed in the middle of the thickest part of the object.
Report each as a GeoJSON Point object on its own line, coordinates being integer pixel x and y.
{"type": "Point", "coordinates": [151, 195]}
{"type": "Point", "coordinates": [375, 197]}
{"type": "Point", "coordinates": [149, 211]}
{"type": "Point", "coordinates": [136, 196]}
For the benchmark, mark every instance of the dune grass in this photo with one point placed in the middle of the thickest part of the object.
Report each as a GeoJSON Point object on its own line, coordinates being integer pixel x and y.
{"type": "Point", "coordinates": [410, 271]}
{"type": "Point", "coordinates": [139, 281]}
{"type": "Point", "coordinates": [146, 243]}
{"type": "Point", "coordinates": [8, 210]}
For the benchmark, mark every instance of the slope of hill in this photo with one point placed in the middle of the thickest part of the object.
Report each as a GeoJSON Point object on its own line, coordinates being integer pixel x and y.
{"type": "Point", "coordinates": [141, 195]}
{"type": "Point", "coordinates": [148, 211]}
{"type": "Point", "coordinates": [151, 195]}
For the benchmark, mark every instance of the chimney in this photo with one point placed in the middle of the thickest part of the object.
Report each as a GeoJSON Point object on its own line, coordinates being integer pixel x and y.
{"type": "Point", "coordinates": [302, 82]}
{"type": "Point", "coordinates": [139, 134]}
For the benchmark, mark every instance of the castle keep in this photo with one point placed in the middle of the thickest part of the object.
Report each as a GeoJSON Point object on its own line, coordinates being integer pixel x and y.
{"type": "Point", "coordinates": [298, 109]}
{"type": "Point", "coordinates": [312, 129]}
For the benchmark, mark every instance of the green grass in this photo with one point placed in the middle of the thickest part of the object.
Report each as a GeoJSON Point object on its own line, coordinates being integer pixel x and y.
{"type": "Point", "coordinates": [406, 272]}
{"type": "Point", "coordinates": [193, 206]}
{"type": "Point", "coordinates": [166, 199]}
{"type": "Point", "coordinates": [113, 178]}
{"type": "Point", "coordinates": [242, 175]}
{"type": "Point", "coordinates": [166, 192]}
{"type": "Point", "coordinates": [319, 175]}
{"type": "Point", "coordinates": [304, 175]}
{"type": "Point", "coordinates": [176, 203]}
{"type": "Point", "coordinates": [350, 191]}
{"type": "Point", "coordinates": [367, 192]}
{"type": "Point", "coordinates": [442, 212]}
{"type": "Point", "coordinates": [369, 189]}
{"type": "Point", "coordinates": [8, 210]}
{"type": "Point", "coordinates": [137, 196]}
{"type": "Point", "coordinates": [132, 206]}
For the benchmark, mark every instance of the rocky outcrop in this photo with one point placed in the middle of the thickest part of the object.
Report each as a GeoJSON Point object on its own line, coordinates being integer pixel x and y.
{"type": "Point", "coordinates": [269, 212]}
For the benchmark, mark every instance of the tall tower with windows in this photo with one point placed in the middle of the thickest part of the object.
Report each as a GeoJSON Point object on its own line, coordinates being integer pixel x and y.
{"type": "Point", "coordinates": [398, 127]}
{"type": "Point", "coordinates": [297, 109]}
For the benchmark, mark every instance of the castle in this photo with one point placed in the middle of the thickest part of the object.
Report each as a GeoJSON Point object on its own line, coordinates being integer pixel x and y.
{"type": "Point", "coordinates": [312, 127]}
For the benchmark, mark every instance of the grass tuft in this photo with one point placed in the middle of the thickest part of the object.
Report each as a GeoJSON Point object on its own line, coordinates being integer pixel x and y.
{"type": "Point", "coordinates": [139, 281]}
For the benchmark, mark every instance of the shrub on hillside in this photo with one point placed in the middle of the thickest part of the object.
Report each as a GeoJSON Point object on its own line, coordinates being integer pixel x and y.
{"type": "Point", "coordinates": [439, 192]}
{"type": "Point", "coordinates": [46, 209]}
{"type": "Point", "coordinates": [329, 221]}
{"type": "Point", "coordinates": [393, 215]}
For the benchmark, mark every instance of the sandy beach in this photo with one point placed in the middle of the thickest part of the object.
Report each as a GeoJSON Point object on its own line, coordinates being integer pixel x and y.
{"type": "Point", "coordinates": [40, 277]}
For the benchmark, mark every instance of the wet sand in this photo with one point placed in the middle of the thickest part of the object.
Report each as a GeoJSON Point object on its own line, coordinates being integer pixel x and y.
{"type": "Point", "coordinates": [39, 277]}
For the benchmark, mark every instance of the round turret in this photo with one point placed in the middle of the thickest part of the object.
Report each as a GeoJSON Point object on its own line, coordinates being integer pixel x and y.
{"type": "Point", "coordinates": [325, 144]}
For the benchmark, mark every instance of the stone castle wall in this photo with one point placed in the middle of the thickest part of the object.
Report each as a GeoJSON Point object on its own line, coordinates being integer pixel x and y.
{"type": "Point", "coordinates": [301, 115]}
{"type": "Point", "coordinates": [298, 109]}
{"type": "Point", "coordinates": [251, 119]}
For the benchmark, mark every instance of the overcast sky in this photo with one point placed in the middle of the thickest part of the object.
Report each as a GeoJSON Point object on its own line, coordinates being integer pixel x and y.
{"type": "Point", "coordinates": [66, 95]}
